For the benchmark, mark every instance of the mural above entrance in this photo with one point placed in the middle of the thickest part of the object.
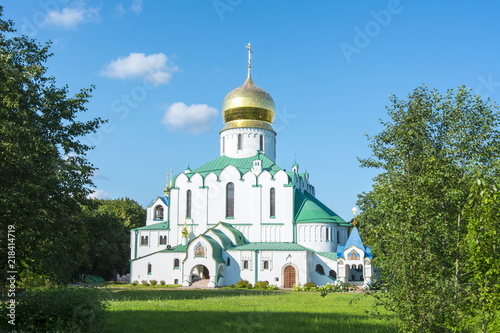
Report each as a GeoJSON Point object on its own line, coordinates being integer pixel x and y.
{"type": "Point", "coordinates": [199, 251]}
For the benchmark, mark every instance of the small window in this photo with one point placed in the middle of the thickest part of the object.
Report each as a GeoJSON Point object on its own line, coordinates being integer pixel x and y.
{"type": "Point", "coordinates": [144, 240]}
{"type": "Point", "coordinates": [150, 268]}
{"type": "Point", "coordinates": [163, 240]}
{"type": "Point", "coordinates": [228, 262]}
{"type": "Point", "coordinates": [245, 264]}
{"type": "Point", "coordinates": [240, 141]}
{"type": "Point", "coordinates": [159, 212]}
{"type": "Point", "coordinates": [320, 269]}
{"type": "Point", "coordinates": [188, 204]}
{"type": "Point", "coordinates": [176, 281]}
{"type": "Point", "coordinates": [333, 274]}
{"type": "Point", "coordinates": [272, 202]}
{"type": "Point", "coordinates": [266, 264]}
{"type": "Point", "coordinates": [327, 234]}
{"type": "Point", "coordinates": [223, 145]}
{"type": "Point", "coordinates": [261, 143]}
{"type": "Point", "coordinates": [176, 263]}
{"type": "Point", "coordinates": [338, 236]}
{"type": "Point", "coordinates": [230, 200]}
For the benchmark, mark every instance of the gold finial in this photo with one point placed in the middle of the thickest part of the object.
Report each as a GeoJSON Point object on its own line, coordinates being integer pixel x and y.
{"type": "Point", "coordinates": [249, 48]}
{"type": "Point", "coordinates": [168, 185]}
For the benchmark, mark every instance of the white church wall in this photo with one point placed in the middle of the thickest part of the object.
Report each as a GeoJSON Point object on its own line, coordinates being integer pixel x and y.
{"type": "Point", "coordinates": [249, 144]}
{"type": "Point", "coordinates": [315, 237]}
{"type": "Point", "coordinates": [160, 270]}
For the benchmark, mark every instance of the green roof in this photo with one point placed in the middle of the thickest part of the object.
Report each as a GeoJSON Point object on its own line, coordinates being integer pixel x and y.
{"type": "Point", "coordinates": [216, 248]}
{"type": "Point", "coordinates": [156, 226]}
{"type": "Point", "coordinates": [308, 209]}
{"type": "Point", "coordinates": [242, 164]}
{"type": "Point", "coordinates": [270, 246]}
{"type": "Point", "coordinates": [240, 239]}
{"type": "Point", "coordinates": [177, 248]}
{"type": "Point", "coordinates": [329, 255]}
{"type": "Point", "coordinates": [226, 241]}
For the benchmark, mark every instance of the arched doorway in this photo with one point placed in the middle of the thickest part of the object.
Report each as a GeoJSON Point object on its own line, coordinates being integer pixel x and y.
{"type": "Point", "coordinates": [289, 276]}
{"type": "Point", "coordinates": [199, 272]}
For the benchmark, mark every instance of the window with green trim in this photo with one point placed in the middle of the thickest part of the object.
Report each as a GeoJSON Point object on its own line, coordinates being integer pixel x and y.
{"type": "Point", "coordinates": [245, 264]}
{"type": "Point", "coordinates": [230, 200]}
{"type": "Point", "coordinates": [272, 202]}
{"type": "Point", "coordinates": [266, 264]}
{"type": "Point", "coordinates": [176, 263]}
{"type": "Point", "coordinates": [188, 204]}
{"type": "Point", "coordinates": [320, 269]}
{"type": "Point", "coordinates": [150, 268]}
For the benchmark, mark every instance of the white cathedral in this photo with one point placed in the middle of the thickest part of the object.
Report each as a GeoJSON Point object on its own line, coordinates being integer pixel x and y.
{"type": "Point", "coordinates": [242, 217]}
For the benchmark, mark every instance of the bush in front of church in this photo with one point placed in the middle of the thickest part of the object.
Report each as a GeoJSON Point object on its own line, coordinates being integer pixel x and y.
{"type": "Point", "coordinates": [261, 285]}
{"type": "Point", "coordinates": [244, 284]}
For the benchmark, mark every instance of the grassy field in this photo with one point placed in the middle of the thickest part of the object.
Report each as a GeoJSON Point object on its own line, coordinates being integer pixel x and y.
{"type": "Point", "coordinates": [143, 309]}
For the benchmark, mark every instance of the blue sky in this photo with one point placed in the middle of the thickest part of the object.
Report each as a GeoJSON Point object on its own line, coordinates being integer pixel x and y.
{"type": "Point", "coordinates": [162, 68]}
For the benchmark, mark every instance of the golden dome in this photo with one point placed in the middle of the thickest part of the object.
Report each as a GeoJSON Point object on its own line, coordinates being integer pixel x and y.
{"type": "Point", "coordinates": [248, 104]}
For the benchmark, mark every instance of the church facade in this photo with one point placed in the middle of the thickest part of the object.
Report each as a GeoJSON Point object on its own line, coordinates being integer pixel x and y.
{"type": "Point", "coordinates": [242, 217]}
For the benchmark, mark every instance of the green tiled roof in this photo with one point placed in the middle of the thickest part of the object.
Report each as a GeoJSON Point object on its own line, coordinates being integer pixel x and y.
{"type": "Point", "coordinates": [217, 249]}
{"type": "Point", "coordinates": [156, 226]}
{"type": "Point", "coordinates": [226, 242]}
{"type": "Point", "coordinates": [242, 164]}
{"type": "Point", "coordinates": [329, 255]}
{"type": "Point", "coordinates": [308, 209]}
{"type": "Point", "coordinates": [270, 246]}
{"type": "Point", "coordinates": [240, 239]}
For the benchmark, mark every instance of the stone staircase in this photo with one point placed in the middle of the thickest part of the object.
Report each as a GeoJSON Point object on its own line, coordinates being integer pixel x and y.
{"type": "Point", "coordinates": [201, 284]}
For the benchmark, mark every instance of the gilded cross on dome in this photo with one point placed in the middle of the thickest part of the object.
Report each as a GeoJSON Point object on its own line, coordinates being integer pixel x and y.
{"type": "Point", "coordinates": [249, 48]}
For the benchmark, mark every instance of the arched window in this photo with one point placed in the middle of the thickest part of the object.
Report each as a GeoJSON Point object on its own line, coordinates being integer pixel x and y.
{"type": "Point", "coordinates": [272, 202]}
{"type": "Point", "coordinates": [159, 212]}
{"type": "Point", "coordinates": [261, 143]}
{"type": "Point", "coordinates": [327, 234]}
{"type": "Point", "coordinates": [144, 240]}
{"type": "Point", "coordinates": [176, 281]}
{"type": "Point", "coordinates": [333, 274]}
{"type": "Point", "coordinates": [245, 264]}
{"type": "Point", "coordinates": [228, 262]}
{"type": "Point", "coordinates": [150, 268]}
{"type": "Point", "coordinates": [176, 263]}
{"type": "Point", "coordinates": [230, 200]}
{"type": "Point", "coordinates": [266, 264]}
{"type": "Point", "coordinates": [188, 204]}
{"type": "Point", "coordinates": [240, 141]}
{"type": "Point", "coordinates": [320, 269]}
{"type": "Point", "coordinates": [163, 240]}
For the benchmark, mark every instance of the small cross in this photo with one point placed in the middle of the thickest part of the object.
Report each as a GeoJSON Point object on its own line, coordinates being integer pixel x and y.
{"type": "Point", "coordinates": [249, 48]}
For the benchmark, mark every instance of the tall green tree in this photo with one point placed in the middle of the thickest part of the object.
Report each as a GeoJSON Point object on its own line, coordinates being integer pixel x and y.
{"type": "Point", "coordinates": [44, 174]}
{"type": "Point", "coordinates": [429, 152]}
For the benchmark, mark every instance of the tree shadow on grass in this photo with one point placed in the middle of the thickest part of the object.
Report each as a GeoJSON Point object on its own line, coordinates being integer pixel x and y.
{"type": "Point", "coordinates": [177, 294]}
{"type": "Point", "coordinates": [172, 321]}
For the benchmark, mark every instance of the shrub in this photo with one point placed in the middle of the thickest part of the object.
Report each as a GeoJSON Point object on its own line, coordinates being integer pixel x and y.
{"type": "Point", "coordinates": [231, 285]}
{"type": "Point", "coordinates": [153, 282]}
{"type": "Point", "coordinates": [135, 283]}
{"type": "Point", "coordinates": [145, 283]}
{"type": "Point", "coordinates": [272, 287]}
{"type": "Point", "coordinates": [261, 284]}
{"type": "Point", "coordinates": [162, 282]}
{"type": "Point", "coordinates": [309, 286]}
{"type": "Point", "coordinates": [249, 286]}
{"type": "Point", "coordinates": [242, 284]}
{"type": "Point", "coordinates": [64, 309]}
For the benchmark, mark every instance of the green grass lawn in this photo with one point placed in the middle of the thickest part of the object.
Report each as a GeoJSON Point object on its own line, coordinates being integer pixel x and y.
{"type": "Point", "coordinates": [146, 309]}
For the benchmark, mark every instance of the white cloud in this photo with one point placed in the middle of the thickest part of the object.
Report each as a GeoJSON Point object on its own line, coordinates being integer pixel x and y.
{"type": "Point", "coordinates": [99, 194]}
{"type": "Point", "coordinates": [70, 17]}
{"type": "Point", "coordinates": [152, 68]}
{"type": "Point", "coordinates": [137, 6]}
{"type": "Point", "coordinates": [195, 118]}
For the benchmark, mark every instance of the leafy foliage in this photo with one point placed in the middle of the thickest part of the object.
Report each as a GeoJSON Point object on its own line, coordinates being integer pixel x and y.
{"type": "Point", "coordinates": [44, 176]}
{"type": "Point", "coordinates": [414, 217]}
{"type": "Point", "coordinates": [64, 309]}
